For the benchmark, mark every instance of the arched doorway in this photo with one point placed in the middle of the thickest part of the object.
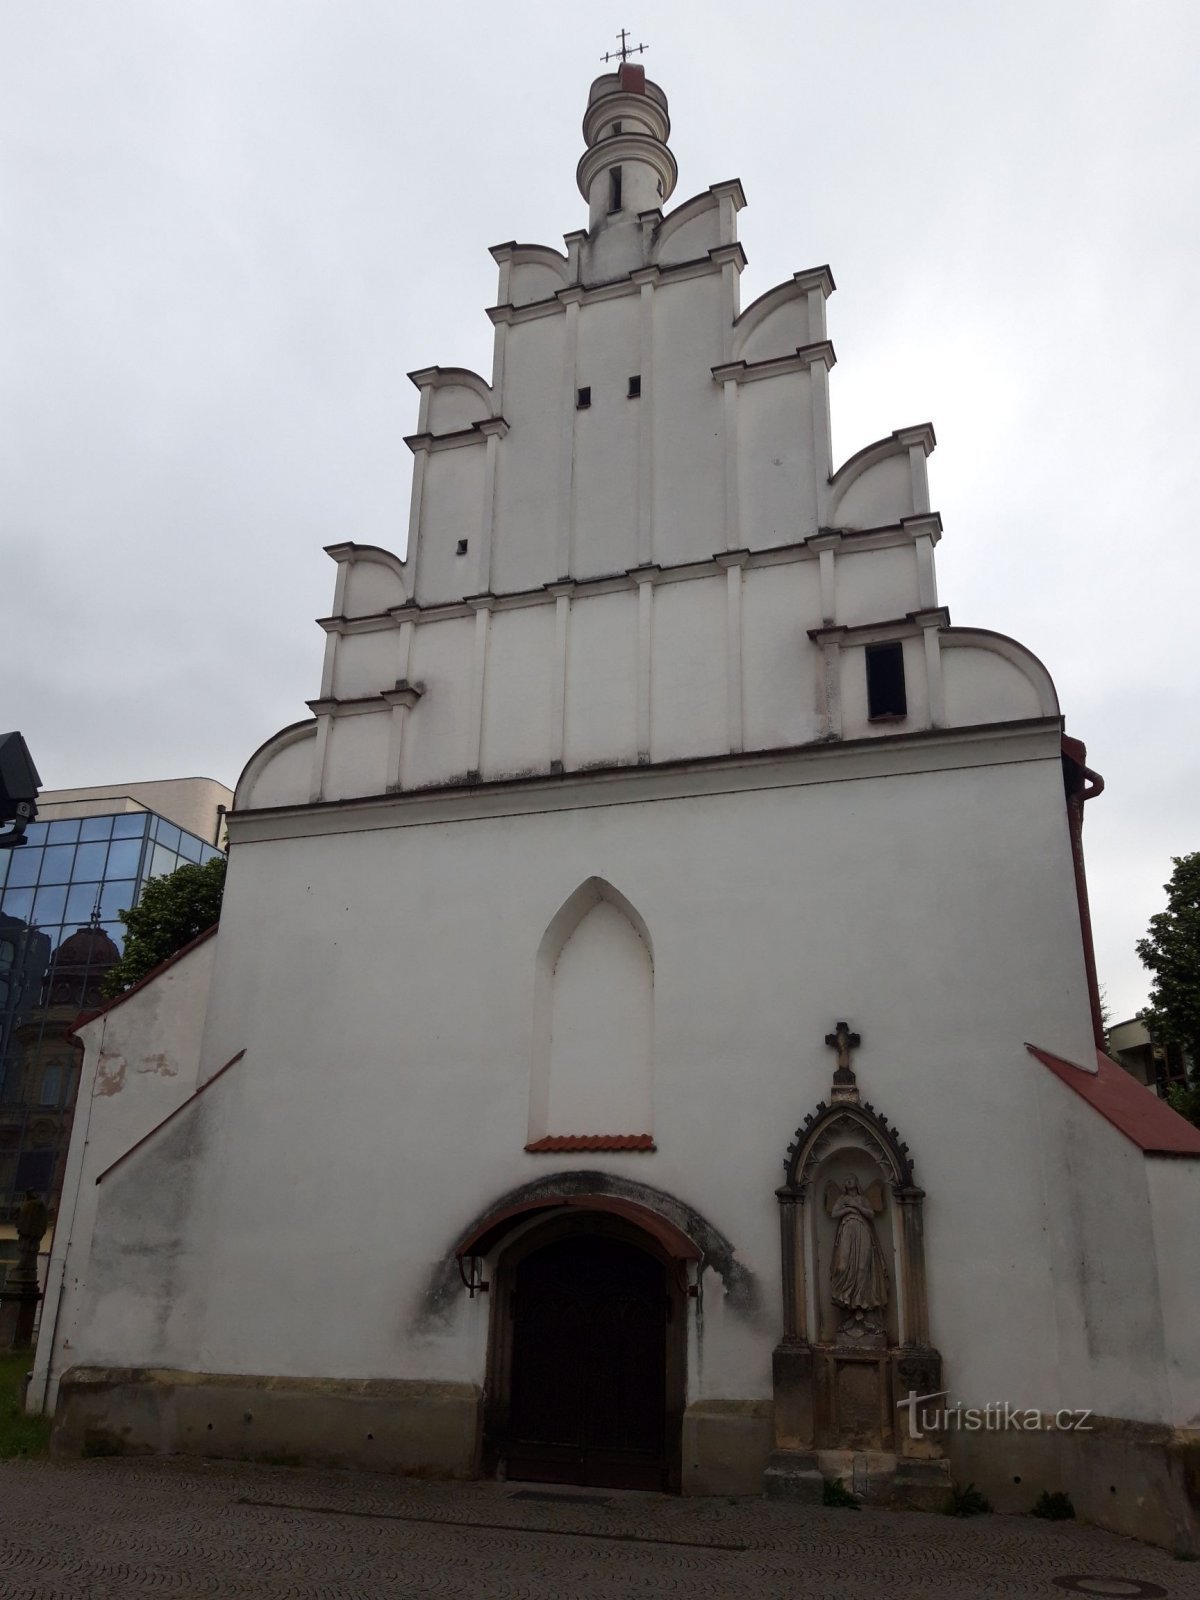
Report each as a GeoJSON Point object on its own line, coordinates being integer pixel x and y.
{"type": "Point", "coordinates": [587, 1356]}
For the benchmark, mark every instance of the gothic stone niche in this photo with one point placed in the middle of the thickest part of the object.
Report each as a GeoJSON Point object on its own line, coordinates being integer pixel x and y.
{"type": "Point", "coordinates": [855, 1315]}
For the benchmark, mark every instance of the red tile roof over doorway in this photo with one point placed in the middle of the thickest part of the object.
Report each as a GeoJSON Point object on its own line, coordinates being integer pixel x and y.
{"type": "Point", "coordinates": [591, 1141]}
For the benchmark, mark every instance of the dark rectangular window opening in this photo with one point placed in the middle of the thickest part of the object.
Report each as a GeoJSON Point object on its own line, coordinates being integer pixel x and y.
{"type": "Point", "coordinates": [614, 190]}
{"type": "Point", "coordinates": [583, 399]}
{"type": "Point", "coordinates": [635, 385]}
{"type": "Point", "coordinates": [462, 547]}
{"type": "Point", "coordinates": [885, 682]}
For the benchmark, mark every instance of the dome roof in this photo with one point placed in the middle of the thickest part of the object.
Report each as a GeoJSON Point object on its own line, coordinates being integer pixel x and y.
{"type": "Point", "coordinates": [87, 947]}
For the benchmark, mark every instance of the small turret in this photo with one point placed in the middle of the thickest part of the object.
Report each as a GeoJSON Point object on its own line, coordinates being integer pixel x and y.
{"type": "Point", "coordinates": [627, 167]}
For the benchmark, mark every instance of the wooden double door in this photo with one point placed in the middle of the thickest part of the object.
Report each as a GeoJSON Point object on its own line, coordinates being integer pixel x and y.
{"type": "Point", "coordinates": [591, 1362]}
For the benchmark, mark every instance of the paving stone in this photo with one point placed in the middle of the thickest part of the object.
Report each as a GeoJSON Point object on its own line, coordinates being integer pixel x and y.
{"type": "Point", "coordinates": [122, 1528]}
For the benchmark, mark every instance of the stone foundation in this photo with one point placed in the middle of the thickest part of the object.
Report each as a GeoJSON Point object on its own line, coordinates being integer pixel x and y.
{"type": "Point", "coordinates": [877, 1477]}
{"type": "Point", "coordinates": [726, 1444]}
{"type": "Point", "coordinates": [428, 1430]}
{"type": "Point", "coordinates": [1134, 1478]}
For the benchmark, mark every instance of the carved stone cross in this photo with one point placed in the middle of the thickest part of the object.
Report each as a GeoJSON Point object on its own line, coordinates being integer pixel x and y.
{"type": "Point", "coordinates": [845, 1086]}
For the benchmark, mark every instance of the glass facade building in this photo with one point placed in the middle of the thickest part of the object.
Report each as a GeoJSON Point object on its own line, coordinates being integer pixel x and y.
{"type": "Point", "coordinates": [60, 899]}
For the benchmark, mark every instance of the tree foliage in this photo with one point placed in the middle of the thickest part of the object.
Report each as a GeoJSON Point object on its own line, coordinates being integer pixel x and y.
{"type": "Point", "coordinates": [1171, 951]}
{"type": "Point", "coordinates": [171, 912]}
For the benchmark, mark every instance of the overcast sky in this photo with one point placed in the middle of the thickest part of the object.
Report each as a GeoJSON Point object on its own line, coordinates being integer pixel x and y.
{"type": "Point", "coordinates": [230, 228]}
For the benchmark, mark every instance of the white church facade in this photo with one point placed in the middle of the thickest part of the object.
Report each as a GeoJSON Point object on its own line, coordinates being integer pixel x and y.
{"type": "Point", "coordinates": [652, 1032]}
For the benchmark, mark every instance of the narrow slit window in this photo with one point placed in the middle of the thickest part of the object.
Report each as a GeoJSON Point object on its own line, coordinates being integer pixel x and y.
{"type": "Point", "coordinates": [583, 399]}
{"type": "Point", "coordinates": [614, 190]}
{"type": "Point", "coordinates": [885, 682]}
{"type": "Point", "coordinates": [635, 385]}
{"type": "Point", "coordinates": [462, 547]}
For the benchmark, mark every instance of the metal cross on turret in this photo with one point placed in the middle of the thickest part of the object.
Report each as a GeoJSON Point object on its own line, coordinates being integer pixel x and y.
{"type": "Point", "coordinates": [845, 1085]}
{"type": "Point", "coordinates": [626, 49]}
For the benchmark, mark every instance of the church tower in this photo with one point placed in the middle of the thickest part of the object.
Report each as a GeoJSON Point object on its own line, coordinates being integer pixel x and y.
{"type": "Point", "coordinates": [651, 918]}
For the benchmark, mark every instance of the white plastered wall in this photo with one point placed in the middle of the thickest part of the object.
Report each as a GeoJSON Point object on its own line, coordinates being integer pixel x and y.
{"type": "Point", "coordinates": [327, 1191]}
{"type": "Point", "coordinates": [140, 1063]}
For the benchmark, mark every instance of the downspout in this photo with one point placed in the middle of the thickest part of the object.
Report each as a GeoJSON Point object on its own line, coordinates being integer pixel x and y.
{"type": "Point", "coordinates": [60, 1286]}
{"type": "Point", "coordinates": [1081, 785]}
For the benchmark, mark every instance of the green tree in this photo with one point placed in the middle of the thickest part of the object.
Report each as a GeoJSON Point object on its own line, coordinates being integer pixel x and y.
{"type": "Point", "coordinates": [1171, 950]}
{"type": "Point", "coordinates": [171, 912]}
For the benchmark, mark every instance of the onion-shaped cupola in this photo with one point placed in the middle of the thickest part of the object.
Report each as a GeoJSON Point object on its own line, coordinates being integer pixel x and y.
{"type": "Point", "coordinates": [627, 167]}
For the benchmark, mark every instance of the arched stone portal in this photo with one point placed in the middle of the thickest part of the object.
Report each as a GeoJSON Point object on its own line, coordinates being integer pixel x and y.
{"type": "Point", "coordinates": [587, 1354]}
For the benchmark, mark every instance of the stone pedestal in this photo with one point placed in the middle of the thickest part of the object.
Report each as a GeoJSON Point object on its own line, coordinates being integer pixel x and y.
{"type": "Point", "coordinates": [836, 1416]}
{"type": "Point", "coordinates": [18, 1311]}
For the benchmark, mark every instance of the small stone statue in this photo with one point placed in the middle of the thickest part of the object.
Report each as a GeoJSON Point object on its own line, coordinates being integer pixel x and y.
{"type": "Point", "coordinates": [31, 1228]}
{"type": "Point", "coordinates": [858, 1278]}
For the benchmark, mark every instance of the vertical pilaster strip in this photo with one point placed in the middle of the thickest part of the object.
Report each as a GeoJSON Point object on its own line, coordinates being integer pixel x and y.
{"type": "Point", "coordinates": [829, 688]}
{"type": "Point", "coordinates": [483, 617]}
{"type": "Point", "coordinates": [316, 782]}
{"type": "Point", "coordinates": [566, 438]}
{"type": "Point", "coordinates": [732, 519]}
{"type": "Point", "coordinates": [926, 573]}
{"type": "Point", "coordinates": [833, 686]}
{"type": "Point", "coordinates": [329, 663]}
{"type": "Point", "coordinates": [827, 545]}
{"type": "Point", "coordinates": [495, 429]}
{"type": "Point", "coordinates": [644, 578]}
{"type": "Point", "coordinates": [733, 562]}
{"type": "Point", "coordinates": [645, 478]}
{"type": "Point", "coordinates": [822, 433]}
{"type": "Point", "coordinates": [920, 478]}
{"type": "Point", "coordinates": [931, 623]}
{"type": "Point", "coordinates": [731, 295]}
{"type": "Point", "coordinates": [499, 359]}
{"type": "Point", "coordinates": [920, 442]}
{"type": "Point", "coordinates": [412, 550]}
{"type": "Point", "coordinates": [933, 673]}
{"type": "Point", "coordinates": [401, 699]}
{"type": "Point", "coordinates": [558, 681]}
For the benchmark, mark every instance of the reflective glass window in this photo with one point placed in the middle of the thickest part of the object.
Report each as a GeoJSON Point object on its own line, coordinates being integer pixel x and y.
{"type": "Point", "coordinates": [190, 847]}
{"type": "Point", "coordinates": [35, 833]}
{"type": "Point", "coordinates": [50, 904]}
{"type": "Point", "coordinates": [167, 834]}
{"type": "Point", "coordinates": [51, 1086]}
{"type": "Point", "coordinates": [95, 827]}
{"type": "Point", "coordinates": [81, 898]}
{"type": "Point", "coordinates": [162, 861]}
{"type": "Point", "coordinates": [130, 825]}
{"type": "Point", "coordinates": [116, 932]}
{"type": "Point", "coordinates": [4, 857]}
{"type": "Point", "coordinates": [64, 832]}
{"type": "Point", "coordinates": [209, 852]}
{"type": "Point", "coordinates": [116, 897]}
{"type": "Point", "coordinates": [89, 862]}
{"type": "Point", "coordinates": [24, 866]}
{"type": "Point", "coordinates": [18, 903]}
{"type": "Point", "coordinates": [123, 857]}
{"type": "Point", "coordinates": [56, 863]}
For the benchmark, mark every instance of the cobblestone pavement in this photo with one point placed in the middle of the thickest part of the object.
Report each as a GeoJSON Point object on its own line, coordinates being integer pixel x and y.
{"type": "Point", "coordinates": [109, 1528]}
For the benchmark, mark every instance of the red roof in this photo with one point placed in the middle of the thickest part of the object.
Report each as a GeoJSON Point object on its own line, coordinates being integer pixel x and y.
{"type": "Point", "coordinates": [591, 1141]}
{"type": "Point", "coordinates": [1132, 1108]}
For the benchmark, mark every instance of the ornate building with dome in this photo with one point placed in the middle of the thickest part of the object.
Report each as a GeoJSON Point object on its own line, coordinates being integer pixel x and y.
{"type": "Point", "coordinates": [652, 1037]}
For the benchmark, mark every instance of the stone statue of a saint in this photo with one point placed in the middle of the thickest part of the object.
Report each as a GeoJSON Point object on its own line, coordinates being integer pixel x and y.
{"type": "Point", "coordinates": [858, 1279]}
